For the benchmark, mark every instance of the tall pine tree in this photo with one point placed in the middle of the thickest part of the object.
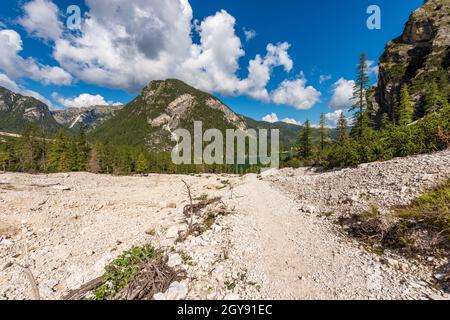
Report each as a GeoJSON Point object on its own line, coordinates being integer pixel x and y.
{"type": "Point", "coordinates": [406, 108]}
{"type": "Point", "coordinates": [60, 156]}
{"type": "Point", "coordinates": [82, 150]}
{"type": "Point", "coordinates": [305, 140]}
{"type": "Point", "coordinates": [323, 131]}
{"type": "Point", "coordinates": [342, 129]}
{"type": "Point", "coordinates": [31, 149]}
{"type": "Point", "coordinates": [395, 110]}
{"type": "Point", "coordinates": [141, 164]}
{"type": "Point", "coordinates": [434, 99]}
{"type": "Point", "coordinates": [359, 93]}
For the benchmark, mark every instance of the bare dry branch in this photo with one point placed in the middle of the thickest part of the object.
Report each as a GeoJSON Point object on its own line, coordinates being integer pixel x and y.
{"type": "Point", "coordinates": [32, 280]}
{"type": "Point", "coordinates": [84, 289]}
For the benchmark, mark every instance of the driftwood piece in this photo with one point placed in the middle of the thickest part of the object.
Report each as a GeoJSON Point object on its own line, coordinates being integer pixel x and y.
{"type": "Point", "coordinates": [84, 289]}
{"type": "Point", "coordinates": [152, 278]}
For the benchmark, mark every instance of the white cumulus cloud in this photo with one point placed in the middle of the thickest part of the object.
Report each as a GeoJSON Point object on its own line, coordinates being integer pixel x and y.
{"type": "Point", "coordinates": [295, 93]}
{"type": "Point", "coordinates": [260, 69]}
{"type": "Point", "coordinates": [342, 94]}
{"type": "Point", "coordinates": [125, 45]}
{"type": "Point", "coordinates": [291, 121]}
{"type": "Point", "coordinates": [83, 100]}
{"type": "Point", "coordinates": [15, 66]}
{"type": "Point", "coordinates": [271, 118]}
{"type": "Point", "coordinates": [11, 85]}
{"type": "Point", "coordinates": [40, 19]}
{"type": "Point", "coordinates": [333, 117]}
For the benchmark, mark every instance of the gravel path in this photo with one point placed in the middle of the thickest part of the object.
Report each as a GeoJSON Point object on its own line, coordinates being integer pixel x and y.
{"type": "Point", "coordinates": [303, 257]}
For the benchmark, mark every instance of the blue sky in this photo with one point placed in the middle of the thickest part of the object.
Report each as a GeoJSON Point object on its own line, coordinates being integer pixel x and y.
{"type": "Point", "coordinates": [203, 43]}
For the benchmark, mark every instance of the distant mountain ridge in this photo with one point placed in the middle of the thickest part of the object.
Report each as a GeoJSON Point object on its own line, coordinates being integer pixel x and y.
{"type": "Point", "coordinates": [89, 117]}
{"type": "Point", "coordinates": [162, 107]}
{"type": "Point", "coordinates": [149, 120]}
{"type": "Point", "coordinates": [166, 105]}
{"type": "Point", "coordinates": [17, 111]}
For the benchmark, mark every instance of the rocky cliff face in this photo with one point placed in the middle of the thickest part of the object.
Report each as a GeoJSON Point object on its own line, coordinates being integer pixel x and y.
{"type": "Point", "coordinates": [89, 117]}
{"type": "Point", "coordinates": [162, 107]}
{"type": "Point", "coordinates": [17, 111]}
{"type": "Point", "coordinates": [420, 56]}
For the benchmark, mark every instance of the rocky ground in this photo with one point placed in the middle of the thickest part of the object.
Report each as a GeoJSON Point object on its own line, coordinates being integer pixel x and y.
{"type": "Point", "coordinates": [279, 242]}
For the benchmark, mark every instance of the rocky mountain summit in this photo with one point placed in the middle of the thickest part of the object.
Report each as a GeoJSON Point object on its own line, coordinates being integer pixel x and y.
{"type": "Point", "coordinates": [17, 111]}
{"type": "Point", "coordinates": [161, 108]}
{"type": "Point", "coordinates": [89, 117]}
{"type": "Point", "coordinates": [149, 120]}
{"type": "Point", "coordinates": [420, 57]}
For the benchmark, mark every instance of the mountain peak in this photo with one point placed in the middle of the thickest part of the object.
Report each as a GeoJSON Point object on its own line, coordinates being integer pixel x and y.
{"type": "Point", "coordinates": [417, 58]}
{"type": "Point", "coordinates": [162, 107]}
{"type": "Point", "coordinates": [17, 111]}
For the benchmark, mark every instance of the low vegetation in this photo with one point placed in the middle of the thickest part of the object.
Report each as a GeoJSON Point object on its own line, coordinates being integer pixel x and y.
{"type": "Point", "coordinates": [138, 274]}
{"type": "Point", "coordinates": [66, 152]}
{"type": "Point", "coordinates": [420, 230]}
{"type": "Point", "coordinates": [409, 128]}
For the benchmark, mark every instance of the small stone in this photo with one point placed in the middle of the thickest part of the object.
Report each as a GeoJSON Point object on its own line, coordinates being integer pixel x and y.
{"type": "Point", "coordinates": [391, 262]}
{"type": "Point", "coordinates": [174, 260]}
{"type": "Point", "coordinates": [215, 186]}
{"type": "Point", "coordinates": [61, 188]}
{"type": "Point", "coordinates": [404, 267]}
{"type": "Point", "coordinates": [7, 242]}
{"type": "Point", "coordinates": [439, 276]}
{"type": "Point", "coordinates": [177, 291]}
{"type": "Point", "coordinates": [269, 172]}
{"type": "Point", "coordinates": [47, 287]}
{"type": "Point", "coordinates": [6, 265]}
{"type": "Point", "coordinates": [159, 296]}
{"type": "Point", "coordinates": [172, 232]}
{"type": "Point", "coordinates": [101, 264]}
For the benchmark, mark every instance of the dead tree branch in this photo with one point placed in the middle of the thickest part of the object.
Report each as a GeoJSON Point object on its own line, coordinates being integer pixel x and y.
{"type": "Point", "coordinates": [84, 289]}
{"type": "Point", "coordinates": [32, 280]}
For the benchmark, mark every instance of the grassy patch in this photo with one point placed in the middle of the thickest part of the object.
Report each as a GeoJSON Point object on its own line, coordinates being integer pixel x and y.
{"type": "Point", "coordinates": [418, 231]}
{"type": "Point", "coordinates": [431, 210]}
{"type": "Point", "coordinates": [230, 285]}
{"type": "Point", "coordinates": [122, 271]}
{"type": "Point", "coordinates": [186, 258]}
{"type": "Point", "coordinates": [210, 219]}
{"type": "Point", "coordinates": [202, 197]}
